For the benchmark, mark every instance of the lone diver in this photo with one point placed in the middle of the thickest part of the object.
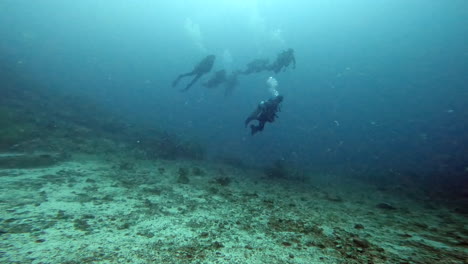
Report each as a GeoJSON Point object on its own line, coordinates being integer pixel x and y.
{"type": "Point", "coordinates": [200, 69]}
{"type": "Point", "coordinates": [265, 112]}
{"type": "Point", "coordinates": [256, 66]}
{"type": "Point", "coordinates": [216, 79]}
{"type": "Point", "coordinates": [231, 83]}
{"type": "Point", "coordinates": [283, 60]}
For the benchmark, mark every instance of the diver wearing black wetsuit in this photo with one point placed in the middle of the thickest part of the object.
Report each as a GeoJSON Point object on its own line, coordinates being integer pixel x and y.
{"type": "Point", "coordinates": [283, 60]}
{"type": "Point", "coordinates": [202, 68]}
{"type": "Point", "coordinates": [265, 112]}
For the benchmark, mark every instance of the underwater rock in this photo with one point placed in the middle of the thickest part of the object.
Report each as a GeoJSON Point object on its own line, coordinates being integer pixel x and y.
{"type": "Point", "coordinates": [81, 224]}
{"type": "Point", "coordinates": [20, 229]}
{"type": "Point", "coordinates": [277, 170]}
{"type": "Point", "coordinates": [362, 243]}
{"type": "Point", "coordinates": [462, 242]}
{"type": "Point", "coordinates": [461, 210]}
{"type": "Point", "coordinates": [405, 235]}
{"type": "Point", "coordinates": [15, 127]}
{"type": "Point", "coordinates": [183, 176]}
{"type": "Point", "coordinates": [333, 197]}
{"type": "Point", "coordinates": [421, 225]}
{"type": "Point", "coordinates": [358, 226]}
{"type": "Point", "coordinates": [24, 160]}
{"type": "Point", "coordinates": [125, 165]}
{"type": "Point", "coordinates": [145, 234]}
{"type": "Point", "coordinates": [217, 245]}
{"type": "Point", "coordinates": [223, 181]}
{"type": "Point", "coordinates": [198, 172]}
{"type": "Point", "coordinates": [385, 206]}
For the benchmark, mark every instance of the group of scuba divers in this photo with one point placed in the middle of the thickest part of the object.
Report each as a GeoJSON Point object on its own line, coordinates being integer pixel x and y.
{"type": "Point", "coordinates": [266, 110]}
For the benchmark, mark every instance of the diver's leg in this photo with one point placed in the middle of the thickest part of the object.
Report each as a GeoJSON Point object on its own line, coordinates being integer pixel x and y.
{"type": "Point", "coordinates": [174, 83]}
{"type": "Point", "coordinates": [253, 115]}
{"type": "Point", "coordinates": [275, 67]}
{"type": "Point", "coordinates": [270, 67]}
{"type": "Point", "coordinates": [253, 129]}
{"type": "Point", "coordinates": [257, 128]}
{"type": "Point", "coordinates": [192, 82]}
{"type": "Point", "coordinates": [228, 91]}
{"type": "Point", "coordinates": [247, 121]}
{"type": "Point", "coordinates": [261, 125]}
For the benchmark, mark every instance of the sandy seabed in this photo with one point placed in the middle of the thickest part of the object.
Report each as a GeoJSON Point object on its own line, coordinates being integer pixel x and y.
{"type": "Point", "coordinates": [110, 210]}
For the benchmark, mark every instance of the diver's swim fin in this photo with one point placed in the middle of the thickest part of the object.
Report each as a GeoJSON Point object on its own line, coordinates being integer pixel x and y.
{"type": "Point", "coordinates": [174, 83]}
{"type": "Point", "coordinates": [254, 129]}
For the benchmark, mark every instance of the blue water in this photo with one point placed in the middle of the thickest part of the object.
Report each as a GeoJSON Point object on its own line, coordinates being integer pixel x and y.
{"type": "Point", "coordinates": [379, 85]}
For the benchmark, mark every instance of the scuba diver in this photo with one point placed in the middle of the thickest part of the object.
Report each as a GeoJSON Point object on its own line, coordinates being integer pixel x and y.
{"type": "Point", "coordinates": [265, 112]}
{"type": "Point", "coordinates": [216, 79]}
{"type": "Point", "coordinates": [256, 66]}
{"type": "Point", "coordinates": [200, 69]}
{"type": "Point", "coordinates": [283, 60]}
{"type": "Point", "coordinates": [231, 83]}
